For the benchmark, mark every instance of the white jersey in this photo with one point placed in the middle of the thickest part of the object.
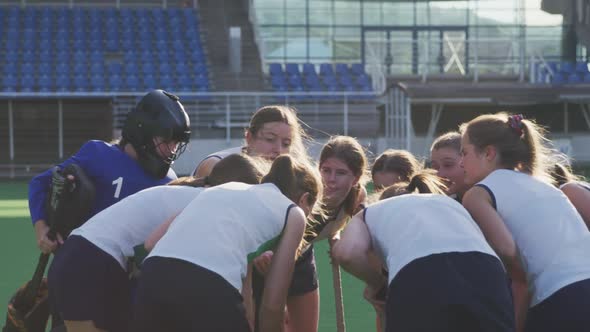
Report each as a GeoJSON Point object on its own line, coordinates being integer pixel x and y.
{"type": "Point", "coordinates": [226, 226]}
{"type": "Point", "coordinates": [408, 227]}
{"type": "Point", "coordinates": [128, 223]}
{"type": "Point", "coordinates": [220, 155]}
{"type": "Point", "coordinates": [551, 237]}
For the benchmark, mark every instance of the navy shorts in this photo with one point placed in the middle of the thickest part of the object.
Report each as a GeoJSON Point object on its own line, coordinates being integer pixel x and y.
{"type": "Point", "coordinates": [567, 310]}
{"type": "Point", "coordinates": [86, 283]}
{"type": "Point", "coordinates": [451, 292]}
{"type": "Point", "coordinates": [176, 295]}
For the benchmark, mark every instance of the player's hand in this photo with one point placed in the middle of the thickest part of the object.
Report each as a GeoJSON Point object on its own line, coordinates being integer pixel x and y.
{"type": "Point", "coordinates": [262, 262]}
{"type": "Point", "coordinates": [332, 242]}
{"type": "Point", "coordinates": [45, 244]}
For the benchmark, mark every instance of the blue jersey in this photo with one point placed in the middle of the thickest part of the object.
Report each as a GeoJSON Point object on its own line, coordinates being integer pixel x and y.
{"type": "Point", "coordinates": [115, 176]}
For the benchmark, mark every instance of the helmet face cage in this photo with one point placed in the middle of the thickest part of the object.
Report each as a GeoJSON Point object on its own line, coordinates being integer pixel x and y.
{"type": "Point", "coordinates": [163, 147]}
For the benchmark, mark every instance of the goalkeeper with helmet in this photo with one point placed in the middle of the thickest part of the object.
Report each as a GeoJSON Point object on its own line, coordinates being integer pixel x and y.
{"type": "Point", "coordinates": [154, 134]}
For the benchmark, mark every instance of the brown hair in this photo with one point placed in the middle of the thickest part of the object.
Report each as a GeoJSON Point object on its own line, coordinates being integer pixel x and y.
{"type": "Point", "coordinates": [294, 178]}
{"type": "Point", "coordinates": [423, 182]}
{"type": "Point", "coordinates": [233, 168]}
{"type": "Point", "coordinates": [401, 162]}
{"type": "Point", "coordinates": [562, 174]}
{"type": "Point", "coordinates": [519, 142]}
{"type": "Point", "coordinates": [349, 151]}
{"type": "Point", "coordinates": [284, 114]}
{"type": "Point", "coordinates": [452, 140]}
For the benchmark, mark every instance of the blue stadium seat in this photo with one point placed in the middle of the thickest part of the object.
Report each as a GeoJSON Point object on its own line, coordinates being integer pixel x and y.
{"type": "Point", "coordinates": [28, 56]}
{"type": "Point", "coordinates": [309, 69]}
{"type": "Point", "coordinates": [97, 83]}
{"type": "Point", "coordinates": [295, 82]}
{"type": "Point", "coordinates": [568, 68]}
{"type": "Point", "coordinates": [80, 68]}
{"type": "Point", "coordinates": [45, 68]}
{"type": "Point", "coordinates": [9, 83]}
{"type": "Point", "coordinates": [278, 80]}
{"type": "Point", "coordinates": [80, 83]}
{"type": "Point", "coordinates": [574, 78]}
{"type": "Point", "coordinates": [112, 45]}
{"type": "Point", "coordinates": [200, 69]}
{"type": "Point", "coordinates": [148, 68]}
{"type": "Point", "coordinates": [587, 78]}
{"type": "Point", "coordinates": [292, 69]}
{"type": "Point", "coordinates": [201, 82]}
{"type": "Point", "coordinates": [45, 83]}
{"type": "Point", "coordinates": [146, 56]}
{"type": "Point", "coordinates": [559, 78]}
{"type": "Point", "coordinates": [131, 83]}
{"type": "Point", "coordinates": [115, 83]}
{"type": "Point", "coordinates": [326, 69]}
{"type": "Point", "coordinates": [27, 69]}
{"type": "Point", "coordinates": [131, 68]}
{"type": "Point", "coordinates": [312, 82]}
{"type": "Point", "coordinates": [166, 80]}
{"type": "Point", "coordinates": [11, 56]}
{"type": "Point", "coordinates": [62, 68]}
{"type": "Point", "coordinates": [114, 68]}
{"type": "Point", "coordinates": [363, 80]}
{"type": "Point", "coordinates": [149, 82]}
{"type": "Point", "coordinates": [26, 83]}
{"type": "Point", "coordinates": [10, 68]}
{"type": "Point", "coordinates": [342, 69]}
{"type": "Point", "coordinates": [97, 68]}
{"type": "Point", "coordinates": [357, 69]}
{"type": "Point", "coordinates": [275, 69]}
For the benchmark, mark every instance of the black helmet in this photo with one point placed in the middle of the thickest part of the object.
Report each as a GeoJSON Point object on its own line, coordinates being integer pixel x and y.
{"type": "Point", "coordinates": [158, 114]}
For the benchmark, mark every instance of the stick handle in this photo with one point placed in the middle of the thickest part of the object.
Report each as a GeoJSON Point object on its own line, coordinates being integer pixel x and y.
{"type": "Point", "coordinates": [340, 323]}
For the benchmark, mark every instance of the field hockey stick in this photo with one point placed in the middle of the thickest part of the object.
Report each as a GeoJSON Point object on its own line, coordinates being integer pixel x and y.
{"type": "Point", "coordinates": [337, 282]}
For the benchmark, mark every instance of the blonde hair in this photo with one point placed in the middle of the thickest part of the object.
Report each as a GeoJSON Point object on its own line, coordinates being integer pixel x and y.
{"type": "Point", "coordinates": [519, 142]}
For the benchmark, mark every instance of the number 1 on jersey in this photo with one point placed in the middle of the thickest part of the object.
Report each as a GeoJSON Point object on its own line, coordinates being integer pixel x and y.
{"type": "Point", "coordinates": [119, 183]}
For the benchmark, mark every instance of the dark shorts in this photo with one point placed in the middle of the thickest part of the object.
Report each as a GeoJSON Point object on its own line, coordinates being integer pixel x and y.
{"type": "Point", "coordinates": [176, 295]}
{"type": "Point", "coordinates": [305, 277]}
{"type": "Point", "coordinates": [451, 292]}
{"type": "Point", "coordinates": [567, 310]}
{"type": "Point", "coordinates": [86, 283]}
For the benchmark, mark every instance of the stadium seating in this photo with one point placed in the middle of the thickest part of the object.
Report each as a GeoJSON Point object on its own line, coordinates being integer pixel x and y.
{"type": "Point", "coordinates": [58, 49]}
{"type": "Point", "coordinates": [564, 73]}
{"type": "Point", "coordinates": [338, 77]}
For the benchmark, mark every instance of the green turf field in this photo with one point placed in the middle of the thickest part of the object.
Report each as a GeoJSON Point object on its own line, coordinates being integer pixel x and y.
{"type": "Point", "coordinates": [19, 255]}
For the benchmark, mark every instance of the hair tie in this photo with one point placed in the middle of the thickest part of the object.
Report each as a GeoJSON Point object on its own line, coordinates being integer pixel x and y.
{"type": "Point", "coordinates": [515, 122]}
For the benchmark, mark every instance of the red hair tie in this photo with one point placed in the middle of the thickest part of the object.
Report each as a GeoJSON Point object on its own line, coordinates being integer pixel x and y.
{"type": "Point", "coordinates": [515, 122]}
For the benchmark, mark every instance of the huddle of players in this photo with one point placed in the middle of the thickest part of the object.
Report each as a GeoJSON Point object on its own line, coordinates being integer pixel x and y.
{"type": "Point", "coordinates": [493, 239]}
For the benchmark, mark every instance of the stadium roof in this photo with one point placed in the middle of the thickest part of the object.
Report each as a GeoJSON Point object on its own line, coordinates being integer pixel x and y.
{"type": "Point", "coordinates": [505, 93]}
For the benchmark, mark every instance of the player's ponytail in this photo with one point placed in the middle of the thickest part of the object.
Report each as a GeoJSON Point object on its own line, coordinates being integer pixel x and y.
{"type": "Point", "coordinates": [233, 168]}
{"type": "Point", "coordinates": [424, 182]}
{"type": "Point", "coordinates": [282, 175]}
